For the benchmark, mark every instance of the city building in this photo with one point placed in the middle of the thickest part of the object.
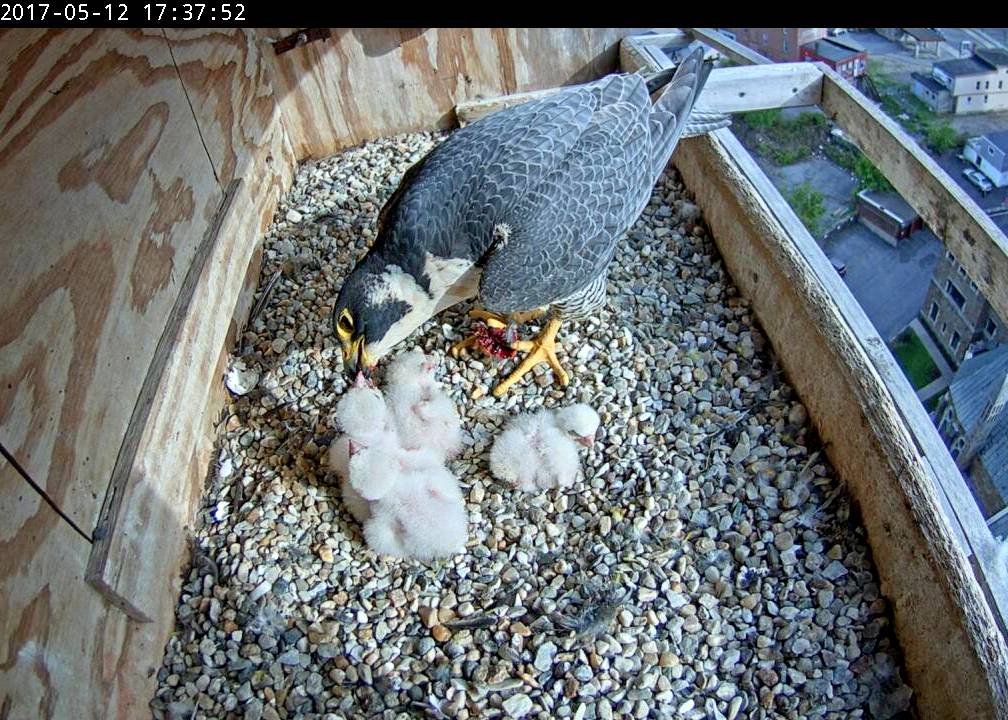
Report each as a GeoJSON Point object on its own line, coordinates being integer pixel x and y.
{"type": "Point", "coordinates": [957, 314]}
{"type": "Point", "coordinates": [976, 84]}
{"type": "Point", "coordinates": [778, 44]}
{"type": "Point", "coordinates": [973, 422]}
{"type": "Point", "coordinates": [990, 155]}
{"type": "Point", "coordinates": [847, 57]}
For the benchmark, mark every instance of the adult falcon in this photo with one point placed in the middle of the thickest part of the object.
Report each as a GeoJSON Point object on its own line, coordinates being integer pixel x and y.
{"type": "Point", "coordinates": [522, 210]}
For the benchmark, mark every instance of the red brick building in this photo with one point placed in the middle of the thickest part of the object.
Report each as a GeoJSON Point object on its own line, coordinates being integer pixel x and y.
{"type": "Point", "coordinates": [845, 56]}
{"type": "Point", "coordinates": [778, 44]}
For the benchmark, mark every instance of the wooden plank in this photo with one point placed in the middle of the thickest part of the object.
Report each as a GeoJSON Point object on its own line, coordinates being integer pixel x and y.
{"type": "Point", "coordinates": [370, 82]}
{"type": "Point", "coordinates": [728, 90]}
{"type": "Point", "coordinates": [472, 111]}
{"type": "Point", "coordinates": [241, 128]}
{"type": "Point", "coordinates": [735, 51]}
{"type": "Point", "coordinates": [101, 212]}
{"type": "Point", "coordinates": [64, 652]}
{"type": "Point", "coordinates": [924, 573]}
{"type": "Point", "coordinates": [979, 245]}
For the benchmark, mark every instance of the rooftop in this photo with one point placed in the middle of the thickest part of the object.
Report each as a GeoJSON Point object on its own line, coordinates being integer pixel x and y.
{"type": "Point", "coordinates": [924, 34]}
{"type": "Point", "coordinates": [891, 202]}
{"type": "Point", "coordinates": [846, 42]}
{"type": "Point", "coordinates": [971, 389]}
{"type": "Point", "coordinates": [993, 56]}
{"type": "Point", "coordinates": [929, 82]}
{"type": "Point", "coordinates": [831, 51]}
{"type": "Point", "coordinates": [963, 66]}
{"type": "Point", "coordinates": [999, 139]}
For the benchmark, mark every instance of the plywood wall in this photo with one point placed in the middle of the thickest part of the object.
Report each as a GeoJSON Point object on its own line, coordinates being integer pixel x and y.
{"type": "Point", "coordinates": [365, 83]}
{"type": "Point", "coordinates": [138, 171]}
{"type": "Point", "coordinates": [117, 149]}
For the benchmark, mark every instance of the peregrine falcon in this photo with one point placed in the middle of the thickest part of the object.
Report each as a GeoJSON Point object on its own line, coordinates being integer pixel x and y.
{"type": "Point", "coordinates": [522, 210]}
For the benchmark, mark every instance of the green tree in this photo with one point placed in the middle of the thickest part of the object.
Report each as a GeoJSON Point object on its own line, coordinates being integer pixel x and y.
{"type": "Point", "coordinates": [869, 177]}
{"type": "Point", "coordinates": [808, 205]}
{"type": "Point", "coordinates": [942, 137]}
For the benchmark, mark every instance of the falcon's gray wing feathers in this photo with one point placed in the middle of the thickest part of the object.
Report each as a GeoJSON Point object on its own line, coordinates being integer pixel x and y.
{"type": "Point", "coordinates": [469, 180]}
{"type": "Point", "coordinates": [564, 231]}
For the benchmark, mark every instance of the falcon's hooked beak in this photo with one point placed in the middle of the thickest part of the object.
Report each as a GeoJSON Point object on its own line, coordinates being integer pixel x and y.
{"type": "Point", "coordinates": [355, 359]}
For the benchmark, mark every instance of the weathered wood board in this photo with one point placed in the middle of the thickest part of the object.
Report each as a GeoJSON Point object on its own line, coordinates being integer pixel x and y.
{"type": "Point", "coordinates": [727, 90]}
{"type": "Point", "coordinates": [956, 659]}
{"type": "Point", "coordinates": [240, 126]}
{"type": "Point", "coordinates": [369, 82]}
{"type": "Point", "coordinates": [104, 196]}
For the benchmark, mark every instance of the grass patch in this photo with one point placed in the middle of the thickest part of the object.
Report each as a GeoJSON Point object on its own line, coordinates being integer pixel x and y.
{"type": "Point", "coordinates": [783, 140]}
{"type": "Point", "coordinates": [914, 360]}
{"type": "Point", "coordinates": [854, 161]}
{"type": "Point", "coordinates": [918, 119]}
{"type": "Point", "coordinates": [808, 205]}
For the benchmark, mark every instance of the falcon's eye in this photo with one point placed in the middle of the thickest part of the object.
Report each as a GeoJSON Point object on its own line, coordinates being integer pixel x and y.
{"type": "Point", "coordinates": [345, 325]}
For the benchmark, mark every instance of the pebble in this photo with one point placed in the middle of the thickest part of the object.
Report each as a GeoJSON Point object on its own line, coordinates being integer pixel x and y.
{"type": "Point", "coordinates": [544, 656]}
{"type": "Point", "coordinates": [707, 564]}
{"type": "Point", "coordinates": [518, 706]}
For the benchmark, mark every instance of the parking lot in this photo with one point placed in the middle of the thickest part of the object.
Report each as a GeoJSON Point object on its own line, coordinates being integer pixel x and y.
{"type": "Point", "coordinates": [889, 283]}
{"type": "Point", "coordinates": [995, 199]}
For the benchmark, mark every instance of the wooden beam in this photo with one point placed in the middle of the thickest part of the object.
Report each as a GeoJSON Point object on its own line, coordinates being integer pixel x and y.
{"type": "Point", "coordinates": [795, 292]}
{"type": "Point", "coordinates": [735, 51]}
{"type": "Point", "coordinates": [728, 90]}
{"type": "Point", "coordinates": [978, 244]}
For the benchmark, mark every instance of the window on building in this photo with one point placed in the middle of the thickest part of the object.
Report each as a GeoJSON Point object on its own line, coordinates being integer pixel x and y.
{"type": "Point", "coordinates": [973, 287]}
{"type": "Point", "coordinates": [1000, 83]}
{"type": "Point", "coordinates": [987, 85]}
{"type": "Point", "coordinates": [934, 312]}
{"type": "Point", "coordinates": [978, 84]}
{"type": "Point", "coordinates": [990, 328]}
{"type": "Point", "coordinates": [962, 271]}
{"type": "Point", "coordinates": [784, 44]}
{"type": "Point", "coordinates": [949, 255]}
{"type": "Point", "coordinates": [955, 339]}
{"type": "Point", "coordinates": [944, 327]}
{"type": "Point", "coordinates": [953, 292]}
{"type": "Point", "coordinates": [985, 98]}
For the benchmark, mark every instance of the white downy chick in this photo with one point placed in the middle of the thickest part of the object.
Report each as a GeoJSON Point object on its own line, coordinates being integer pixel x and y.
{"type": "Point", "coordinates": [579, 421]}
{"type": "Point", "coordinates": [423, 517]}
{"type": "Point", "coordinates": [424, 414]}
{"type": "Point", "coordinates": [539, 450]}
{"type": "Point", "coordinates": [339, 463]}
{"type": "Point", "coordinates": [358, 457]}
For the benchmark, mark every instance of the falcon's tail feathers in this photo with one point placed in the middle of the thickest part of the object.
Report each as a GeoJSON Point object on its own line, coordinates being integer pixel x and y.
{"type": "Point", "coordinates": [671, 111]}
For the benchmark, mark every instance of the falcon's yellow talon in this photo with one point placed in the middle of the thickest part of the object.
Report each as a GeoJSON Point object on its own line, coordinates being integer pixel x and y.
{"type": "Point", "coordinates": [542, 349]}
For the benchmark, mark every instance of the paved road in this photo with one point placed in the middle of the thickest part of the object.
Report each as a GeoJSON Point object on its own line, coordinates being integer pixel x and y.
{"type": "Point", "coordinates": [889, 283]}
{"type": "Point", "coordinates": [995, 198]}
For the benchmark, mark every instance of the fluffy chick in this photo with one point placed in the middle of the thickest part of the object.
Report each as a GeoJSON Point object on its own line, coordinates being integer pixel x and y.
{"type": "Point", "coordinates": [339, 463]}
{"type": "Point", "coordinates": [539, 450]}
{"type": "Point", "coordinates": [424, 415]}
{"type": "Point", "coordinates": [423, 517]}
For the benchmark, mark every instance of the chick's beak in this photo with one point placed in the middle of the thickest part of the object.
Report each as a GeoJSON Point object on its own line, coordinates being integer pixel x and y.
{"type": "Point", "coordinates": [586, 440]}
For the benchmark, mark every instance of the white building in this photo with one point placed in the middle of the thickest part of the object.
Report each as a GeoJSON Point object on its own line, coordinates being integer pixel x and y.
{"type": "Point", "coordinates": [990, 155]}
{"type": "Point", "coordinates": [978, 83]}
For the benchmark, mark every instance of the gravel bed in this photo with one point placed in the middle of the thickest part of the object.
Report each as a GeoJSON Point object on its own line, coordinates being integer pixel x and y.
{"type": "Point", "coordinates": [708, 566]}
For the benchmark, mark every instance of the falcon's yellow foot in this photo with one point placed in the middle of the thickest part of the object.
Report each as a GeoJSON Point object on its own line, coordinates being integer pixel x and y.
{"type": "Point", "coordinates": [493, 320]}
{"type": "Point", "coordinates": [542, 349]}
